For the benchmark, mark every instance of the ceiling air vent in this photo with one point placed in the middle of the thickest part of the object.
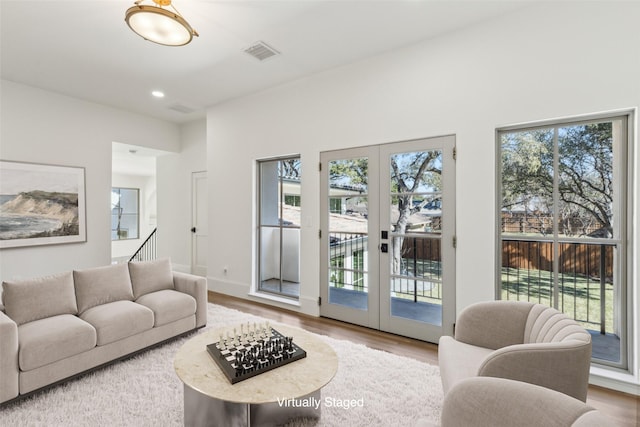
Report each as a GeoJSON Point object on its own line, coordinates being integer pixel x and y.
{"type": "Point", "coordinates": [180, 108]}
{"type": "Point", "coordinates": [261, 51]}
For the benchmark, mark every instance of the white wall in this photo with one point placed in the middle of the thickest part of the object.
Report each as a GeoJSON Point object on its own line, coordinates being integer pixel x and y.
{"type": "Point", "coordinates": [548, 61]}
{"type": "Point", "coordinates": [173, 178]}
{"type": "Point", "coordinates": [147, 209]}
{"type": "Point", "coordinates": [43, 127]}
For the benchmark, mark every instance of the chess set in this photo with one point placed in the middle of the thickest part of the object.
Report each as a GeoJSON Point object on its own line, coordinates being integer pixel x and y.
{"type": "Point", "coordinates": [253, 351]}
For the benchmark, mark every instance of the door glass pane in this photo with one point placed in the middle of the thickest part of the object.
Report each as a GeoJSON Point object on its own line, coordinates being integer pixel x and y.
{"type": "Point", "coordinates": [416, 260]}
{"type": "Point", "coordinates": [416, 192]}
{"type": "Point", "coordinates": [348, 233]}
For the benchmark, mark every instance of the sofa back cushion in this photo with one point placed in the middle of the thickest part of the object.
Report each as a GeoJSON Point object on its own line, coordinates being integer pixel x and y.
{"type": "Point", "coordinates": [150, 276]}
{"type": "Point", "coordinates": [102, 285]}
{"type": "Point", "coordinates": [34, 299]}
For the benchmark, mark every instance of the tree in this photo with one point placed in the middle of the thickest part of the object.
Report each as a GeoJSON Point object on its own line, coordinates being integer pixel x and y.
{"type": "Point", "coordinates": [290, 168]}
{"type": "Point", "coordinates": [409, 173]}
{"type": "Point", "coordinates": [584, 174]}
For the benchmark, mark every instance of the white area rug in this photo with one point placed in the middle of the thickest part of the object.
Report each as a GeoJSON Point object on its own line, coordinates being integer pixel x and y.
{"type": "Point", "coordinates": [145, 391]}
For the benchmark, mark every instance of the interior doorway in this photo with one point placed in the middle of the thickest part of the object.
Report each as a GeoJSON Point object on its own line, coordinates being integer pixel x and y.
{"type": "Point", "coordinates": [132, 168]}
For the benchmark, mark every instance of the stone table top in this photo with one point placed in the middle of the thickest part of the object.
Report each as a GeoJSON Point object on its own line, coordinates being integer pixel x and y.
{"type": "Point", "coordinates": [195, 367]}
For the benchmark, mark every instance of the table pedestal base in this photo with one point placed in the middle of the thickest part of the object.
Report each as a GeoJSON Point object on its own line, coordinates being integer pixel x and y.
{"type": "Point", "coordinates": [201, 411]}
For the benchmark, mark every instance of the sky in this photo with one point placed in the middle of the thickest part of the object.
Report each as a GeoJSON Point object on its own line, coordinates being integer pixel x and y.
{"type": "Point", "coordinates": [22, 177]}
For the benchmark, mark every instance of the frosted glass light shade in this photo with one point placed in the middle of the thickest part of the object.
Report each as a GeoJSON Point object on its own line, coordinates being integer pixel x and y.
{"type": "Point", "coordinates": [159, 25]}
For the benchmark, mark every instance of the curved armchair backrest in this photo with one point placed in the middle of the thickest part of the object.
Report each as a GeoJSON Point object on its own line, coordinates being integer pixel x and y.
{"type": "Point", "coordinates": [546, 324]}
{"type": "Point", "coordinates": [490, 402]}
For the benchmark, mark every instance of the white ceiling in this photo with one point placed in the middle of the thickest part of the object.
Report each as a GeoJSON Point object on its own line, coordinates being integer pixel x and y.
{"type": "Point", "coordinates": [133, 160]}
{"type": "Point", "coordinates": [84, 49]}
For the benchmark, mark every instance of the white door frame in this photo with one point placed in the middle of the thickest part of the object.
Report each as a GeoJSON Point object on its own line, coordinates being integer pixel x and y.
{"type": "Point", "coordinates": [400, 325]}
{"type": "Point", "coordinates": [378, 315]}
{"type": "Point", "coordinates": [369, 317]}
{"type": "Point", "coordinates": [199, 222]}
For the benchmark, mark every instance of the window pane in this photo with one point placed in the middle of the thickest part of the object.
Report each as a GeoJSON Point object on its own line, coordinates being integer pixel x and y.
{"type": "Point", "coordinates": [270, 253]}
{"type": "Point", "coordinates": [527, 182]}
{"type": "Point", "coordinates": [527, 271]}
{"type": "Point", "coordinates": [124, 213]}
{"type": "Point", "coordinates": [570, 256]}
{"type": "Point", "coordinates": [269, 193]}
{"type": "Point", "coordinates": [586, 180]}
{"type": "Point", "coordinates": [279, 217]}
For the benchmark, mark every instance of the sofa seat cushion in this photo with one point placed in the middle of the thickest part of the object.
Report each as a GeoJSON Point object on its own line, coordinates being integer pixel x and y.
{"type": "Point", "coordinates": [458, 360]}
{"type": "Point", "coordinates": [55, 338]}
{"type": "Point", "coordinates": [168, 305]}
{"type": "Point", "coordinates": [150, 276]}
{"type": "Point", "coordinates": [117, 320]}
{"type": "Point", "coordinates": [39, 298]}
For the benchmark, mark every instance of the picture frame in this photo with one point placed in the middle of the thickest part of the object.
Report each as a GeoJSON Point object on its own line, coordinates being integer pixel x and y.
{"type": "Point", "coordinates": [41, 204]}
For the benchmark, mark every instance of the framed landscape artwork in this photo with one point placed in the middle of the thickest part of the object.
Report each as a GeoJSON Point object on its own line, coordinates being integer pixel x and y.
{"type": "Point", "coordinates": [41, 204]}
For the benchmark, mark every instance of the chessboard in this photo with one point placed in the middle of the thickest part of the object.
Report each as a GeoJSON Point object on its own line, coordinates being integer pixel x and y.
{"type": "Point", "coordinates": [246, 355]}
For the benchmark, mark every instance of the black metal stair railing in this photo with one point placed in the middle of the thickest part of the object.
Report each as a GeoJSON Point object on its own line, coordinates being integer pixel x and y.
{"type": "Point", "coordinates": [148, 250]}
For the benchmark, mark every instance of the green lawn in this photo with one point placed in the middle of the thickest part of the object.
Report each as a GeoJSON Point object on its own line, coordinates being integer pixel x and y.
{"type": "Point", "coordinates": [579, 295]}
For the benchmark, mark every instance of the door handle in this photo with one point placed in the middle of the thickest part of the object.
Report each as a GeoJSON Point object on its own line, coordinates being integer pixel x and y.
{"type": "Point", "coordinates": [384, 248]}
{"type": "Point", "coordinates": [193, 229]}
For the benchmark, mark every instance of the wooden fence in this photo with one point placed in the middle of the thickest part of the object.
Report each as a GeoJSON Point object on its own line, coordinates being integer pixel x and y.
{"type": "Point", "coordinates": [575, 258]}
{"type": "Point", "coordinates": [421, 248]}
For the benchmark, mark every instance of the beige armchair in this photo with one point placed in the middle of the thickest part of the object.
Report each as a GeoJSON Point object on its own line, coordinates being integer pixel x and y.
{"type": "Point", "coordinates": [490, 402]}
{"type": "Point", "coordinates": [520, 341]}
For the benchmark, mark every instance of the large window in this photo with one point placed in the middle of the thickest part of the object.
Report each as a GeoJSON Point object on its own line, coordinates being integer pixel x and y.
{"type": "Point", "coordinates": [125, 216]}
{"type": "Point", "coordinates": [279, 226]}
{"type": "Point", "coordinates": [562, 213]}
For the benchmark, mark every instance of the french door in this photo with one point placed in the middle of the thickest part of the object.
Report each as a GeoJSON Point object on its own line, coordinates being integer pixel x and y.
{"type": "Point", "coordinates": [388, 237]}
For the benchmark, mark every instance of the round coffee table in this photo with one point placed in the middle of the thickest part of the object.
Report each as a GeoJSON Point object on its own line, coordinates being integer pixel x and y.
{"type": "Point", "coordinates": [271, 398]}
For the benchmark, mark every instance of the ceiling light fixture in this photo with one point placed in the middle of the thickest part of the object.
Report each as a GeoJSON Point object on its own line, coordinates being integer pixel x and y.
{"type": "Point", "coordinates": [159, 25]}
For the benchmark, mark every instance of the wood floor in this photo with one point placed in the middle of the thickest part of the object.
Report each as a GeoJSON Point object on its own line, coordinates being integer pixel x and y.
{"type": "Point", "coordinates": [623, 408]}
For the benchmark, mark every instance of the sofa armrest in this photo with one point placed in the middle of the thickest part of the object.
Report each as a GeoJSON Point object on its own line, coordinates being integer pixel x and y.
{"type": "Point", "coordinates": [9, 371]}
{"type": "Point", "coordinates": [489, 402]}
{"type": "Point", "coordinates": [562, 366]}
{"type": "Point", "coordinates": [195, 286]}
{"type": "Point", "coordinates": [493, 324]}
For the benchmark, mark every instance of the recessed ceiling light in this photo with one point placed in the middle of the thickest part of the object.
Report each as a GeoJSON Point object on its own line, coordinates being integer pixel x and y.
{"type": "Point", "coordinates": [157, 94]}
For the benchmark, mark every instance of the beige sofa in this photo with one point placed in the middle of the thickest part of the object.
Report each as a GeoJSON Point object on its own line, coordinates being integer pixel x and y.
{"type": "Point", "coordinates": [520, 341]}
{"type": "Point", "coordinates": [55, 327]}
{"type": "Point", "coordinates": [490, 402]}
